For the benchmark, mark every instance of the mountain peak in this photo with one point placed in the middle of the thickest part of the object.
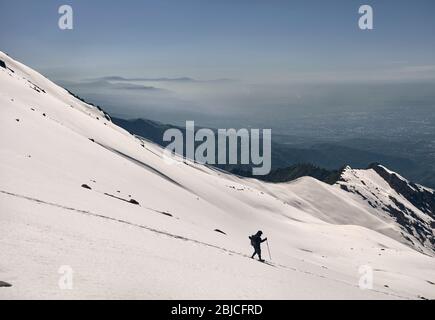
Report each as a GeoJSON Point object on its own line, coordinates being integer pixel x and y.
{"type": "Point", "coordinates": [397, 199]}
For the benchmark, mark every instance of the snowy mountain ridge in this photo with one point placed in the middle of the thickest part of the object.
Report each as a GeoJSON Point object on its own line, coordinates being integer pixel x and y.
{"type": "Point", "coordinates": [394, 198]}
{"type": "Point", "coordinates": [77, 190]}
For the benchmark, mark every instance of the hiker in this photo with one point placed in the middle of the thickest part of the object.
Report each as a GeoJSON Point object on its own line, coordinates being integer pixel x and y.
{"type": "Point", "coordinates": [256, 243]}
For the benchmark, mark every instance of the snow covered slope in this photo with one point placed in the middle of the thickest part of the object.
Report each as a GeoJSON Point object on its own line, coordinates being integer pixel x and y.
{"type": "Point", "coordinates": [396, 200]}
{"type": "Point", "coordinates": [78, 191]}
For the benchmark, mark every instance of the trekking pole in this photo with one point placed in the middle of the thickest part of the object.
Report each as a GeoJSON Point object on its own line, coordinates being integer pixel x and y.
{"type": "Point", "coordinates": [268, 249]}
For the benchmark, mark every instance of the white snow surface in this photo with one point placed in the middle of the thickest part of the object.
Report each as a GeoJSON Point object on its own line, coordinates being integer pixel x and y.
{"type": "Point", "coordinates": [319, 235]}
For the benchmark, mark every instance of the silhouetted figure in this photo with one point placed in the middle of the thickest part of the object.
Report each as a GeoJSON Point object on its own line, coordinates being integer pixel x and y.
{"type": "Point", "coordinates": [256, 243]}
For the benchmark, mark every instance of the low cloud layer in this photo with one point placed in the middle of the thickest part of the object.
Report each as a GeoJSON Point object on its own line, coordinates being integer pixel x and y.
{"type": "Point", "coordinates": [259, 101]}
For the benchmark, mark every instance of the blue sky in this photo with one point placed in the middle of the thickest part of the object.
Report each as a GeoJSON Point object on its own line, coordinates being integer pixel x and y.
{"type": "Point", "coordinates": [217, 39]}
{"type": "Point", "coordinates": [269, 48]}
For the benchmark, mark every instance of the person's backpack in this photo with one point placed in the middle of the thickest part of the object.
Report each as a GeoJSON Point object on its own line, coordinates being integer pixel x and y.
{"type": "Point", "coordinates": [252, 240]}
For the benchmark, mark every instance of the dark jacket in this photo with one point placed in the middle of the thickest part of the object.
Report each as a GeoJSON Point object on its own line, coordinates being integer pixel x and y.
{"type": "Point", "coordinates": [256, 240]}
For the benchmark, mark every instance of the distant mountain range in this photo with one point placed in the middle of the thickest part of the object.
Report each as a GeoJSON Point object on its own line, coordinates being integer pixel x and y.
{"type": "Point", "coordinates": [319, 160]}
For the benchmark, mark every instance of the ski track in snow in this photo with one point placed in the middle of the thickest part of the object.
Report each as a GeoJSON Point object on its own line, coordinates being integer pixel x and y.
{"type": "Point", "coordinates": [178, 237]}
